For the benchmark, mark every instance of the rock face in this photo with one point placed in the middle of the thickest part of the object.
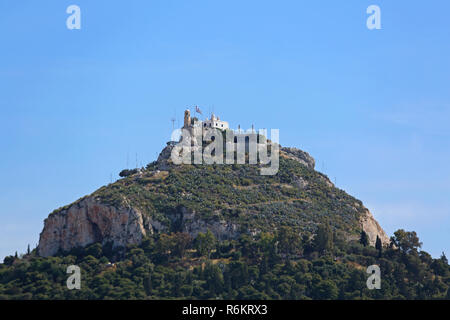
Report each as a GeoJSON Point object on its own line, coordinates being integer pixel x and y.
{"type": "Point", "coordinates": [300, 156]}
{"type": "Point", "coordinates": [373, 229]}
{"type": "Point", "coordinates": [192, 224]}
{"type": "Point", "coordinates": [163, 160]}
{"type": "Point", "coordinates": [89, 221]}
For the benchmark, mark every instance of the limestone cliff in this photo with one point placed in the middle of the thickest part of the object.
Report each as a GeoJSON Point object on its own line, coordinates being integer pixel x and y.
{"type": "Point", "coordinates": [90, 221]}
{"type": "Point", "coordinates": [373, 229]}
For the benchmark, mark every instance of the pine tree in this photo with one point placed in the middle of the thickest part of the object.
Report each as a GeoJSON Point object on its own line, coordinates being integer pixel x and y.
{"type": "Point", "coordinates": [444, 258]}
{"type": "Point", "coordinates": [189, 278]}
{"type": "Point", "coordinates": [28, 249]}
{"type": "Point", "coordinates": [378, 245]}
{"type": "Point", "coordinates": [323, 241]}
{"type": "Point", "coordinates": [364, 240]}
{"type": "Point", "coordinates": [228, 287]}
{"type": "Point", "coordinates": [204, 243]}
{"type": "Point", "coordinates": [263, 266]}
{"type": "Point", "coordinates": [148, 286]}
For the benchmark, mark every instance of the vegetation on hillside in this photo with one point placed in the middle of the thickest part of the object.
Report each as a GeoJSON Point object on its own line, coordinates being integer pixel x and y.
{"type": "Point", "coordinates": [267, 266]}
{"type": "Point", "coordinates": [297, 196]}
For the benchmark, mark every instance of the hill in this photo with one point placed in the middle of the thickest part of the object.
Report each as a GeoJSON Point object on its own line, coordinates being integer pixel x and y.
{"type": "Point", "coordinates": [222, 232]}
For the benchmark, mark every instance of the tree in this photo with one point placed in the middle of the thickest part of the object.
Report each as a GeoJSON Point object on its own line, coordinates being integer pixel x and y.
{"type": "Point", "coordinates": [127, 172]}
{"type": "Point", "coordinates": [9, 260]}
{"type": "Point", "coordinates": [266, 244]}
{"type": "Point", "coordinates": [444, 258]}
{"type": "Point", "coordinates": [214, 278]}
{"type": "Point", "coordinates": [364, 239]}
{"type": "Point", "coordinates": [28, 249]}
{"type": "Point", "coordinates": [163, 245]}
{"type": "Point", "coordinates": [204, 243]}
{"type": "Point", "coordinates": [247, 245]}
{"type": "Point", "coordinates": [288, 241]}
{"type": "Point", "coordinates": [263, 266]}
{"type": "Point", "coordinates": [379, 245]}
{"type": "Point", "coordinates": [323, 241]}
{"type": "Point", "coordinates": [181, 241]}
{"type": "Point", "coordinates": [440, 266]}
{"type": "Point", "coordinates": [308, 244]}
{"type": "Point", "coordinates": [356, 282]}
{"type": "Point", "coordinates": [147, 244]}
{"type": "Point", "coordinates": [406, 241]}
{"type": "Point", "coordinates": [325, 290]}
{"type": "Point", "coordinates": [94, 250]}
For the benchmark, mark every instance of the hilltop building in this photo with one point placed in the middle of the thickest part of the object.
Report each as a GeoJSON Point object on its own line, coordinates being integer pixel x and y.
{"type": "Point", "coordinates": [213, 122]}
{"type": "Point", "coordinates": [197, 127]}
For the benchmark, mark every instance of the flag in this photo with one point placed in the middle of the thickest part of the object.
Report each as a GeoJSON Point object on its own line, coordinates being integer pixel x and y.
{"type": "Point", "coordinates": [197, 109]}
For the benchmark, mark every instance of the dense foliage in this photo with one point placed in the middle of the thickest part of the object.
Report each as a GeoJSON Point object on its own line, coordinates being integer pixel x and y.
{"type": "Point", "coordinates": [267, 266]}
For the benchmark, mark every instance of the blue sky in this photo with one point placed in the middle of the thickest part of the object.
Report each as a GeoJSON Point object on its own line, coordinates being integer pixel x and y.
{"type": "Point", "coordinates": [371, 106]}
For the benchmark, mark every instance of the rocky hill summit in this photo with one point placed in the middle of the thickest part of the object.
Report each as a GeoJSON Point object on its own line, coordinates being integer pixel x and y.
{"type": "Point", "coordinates": [228, 200]}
